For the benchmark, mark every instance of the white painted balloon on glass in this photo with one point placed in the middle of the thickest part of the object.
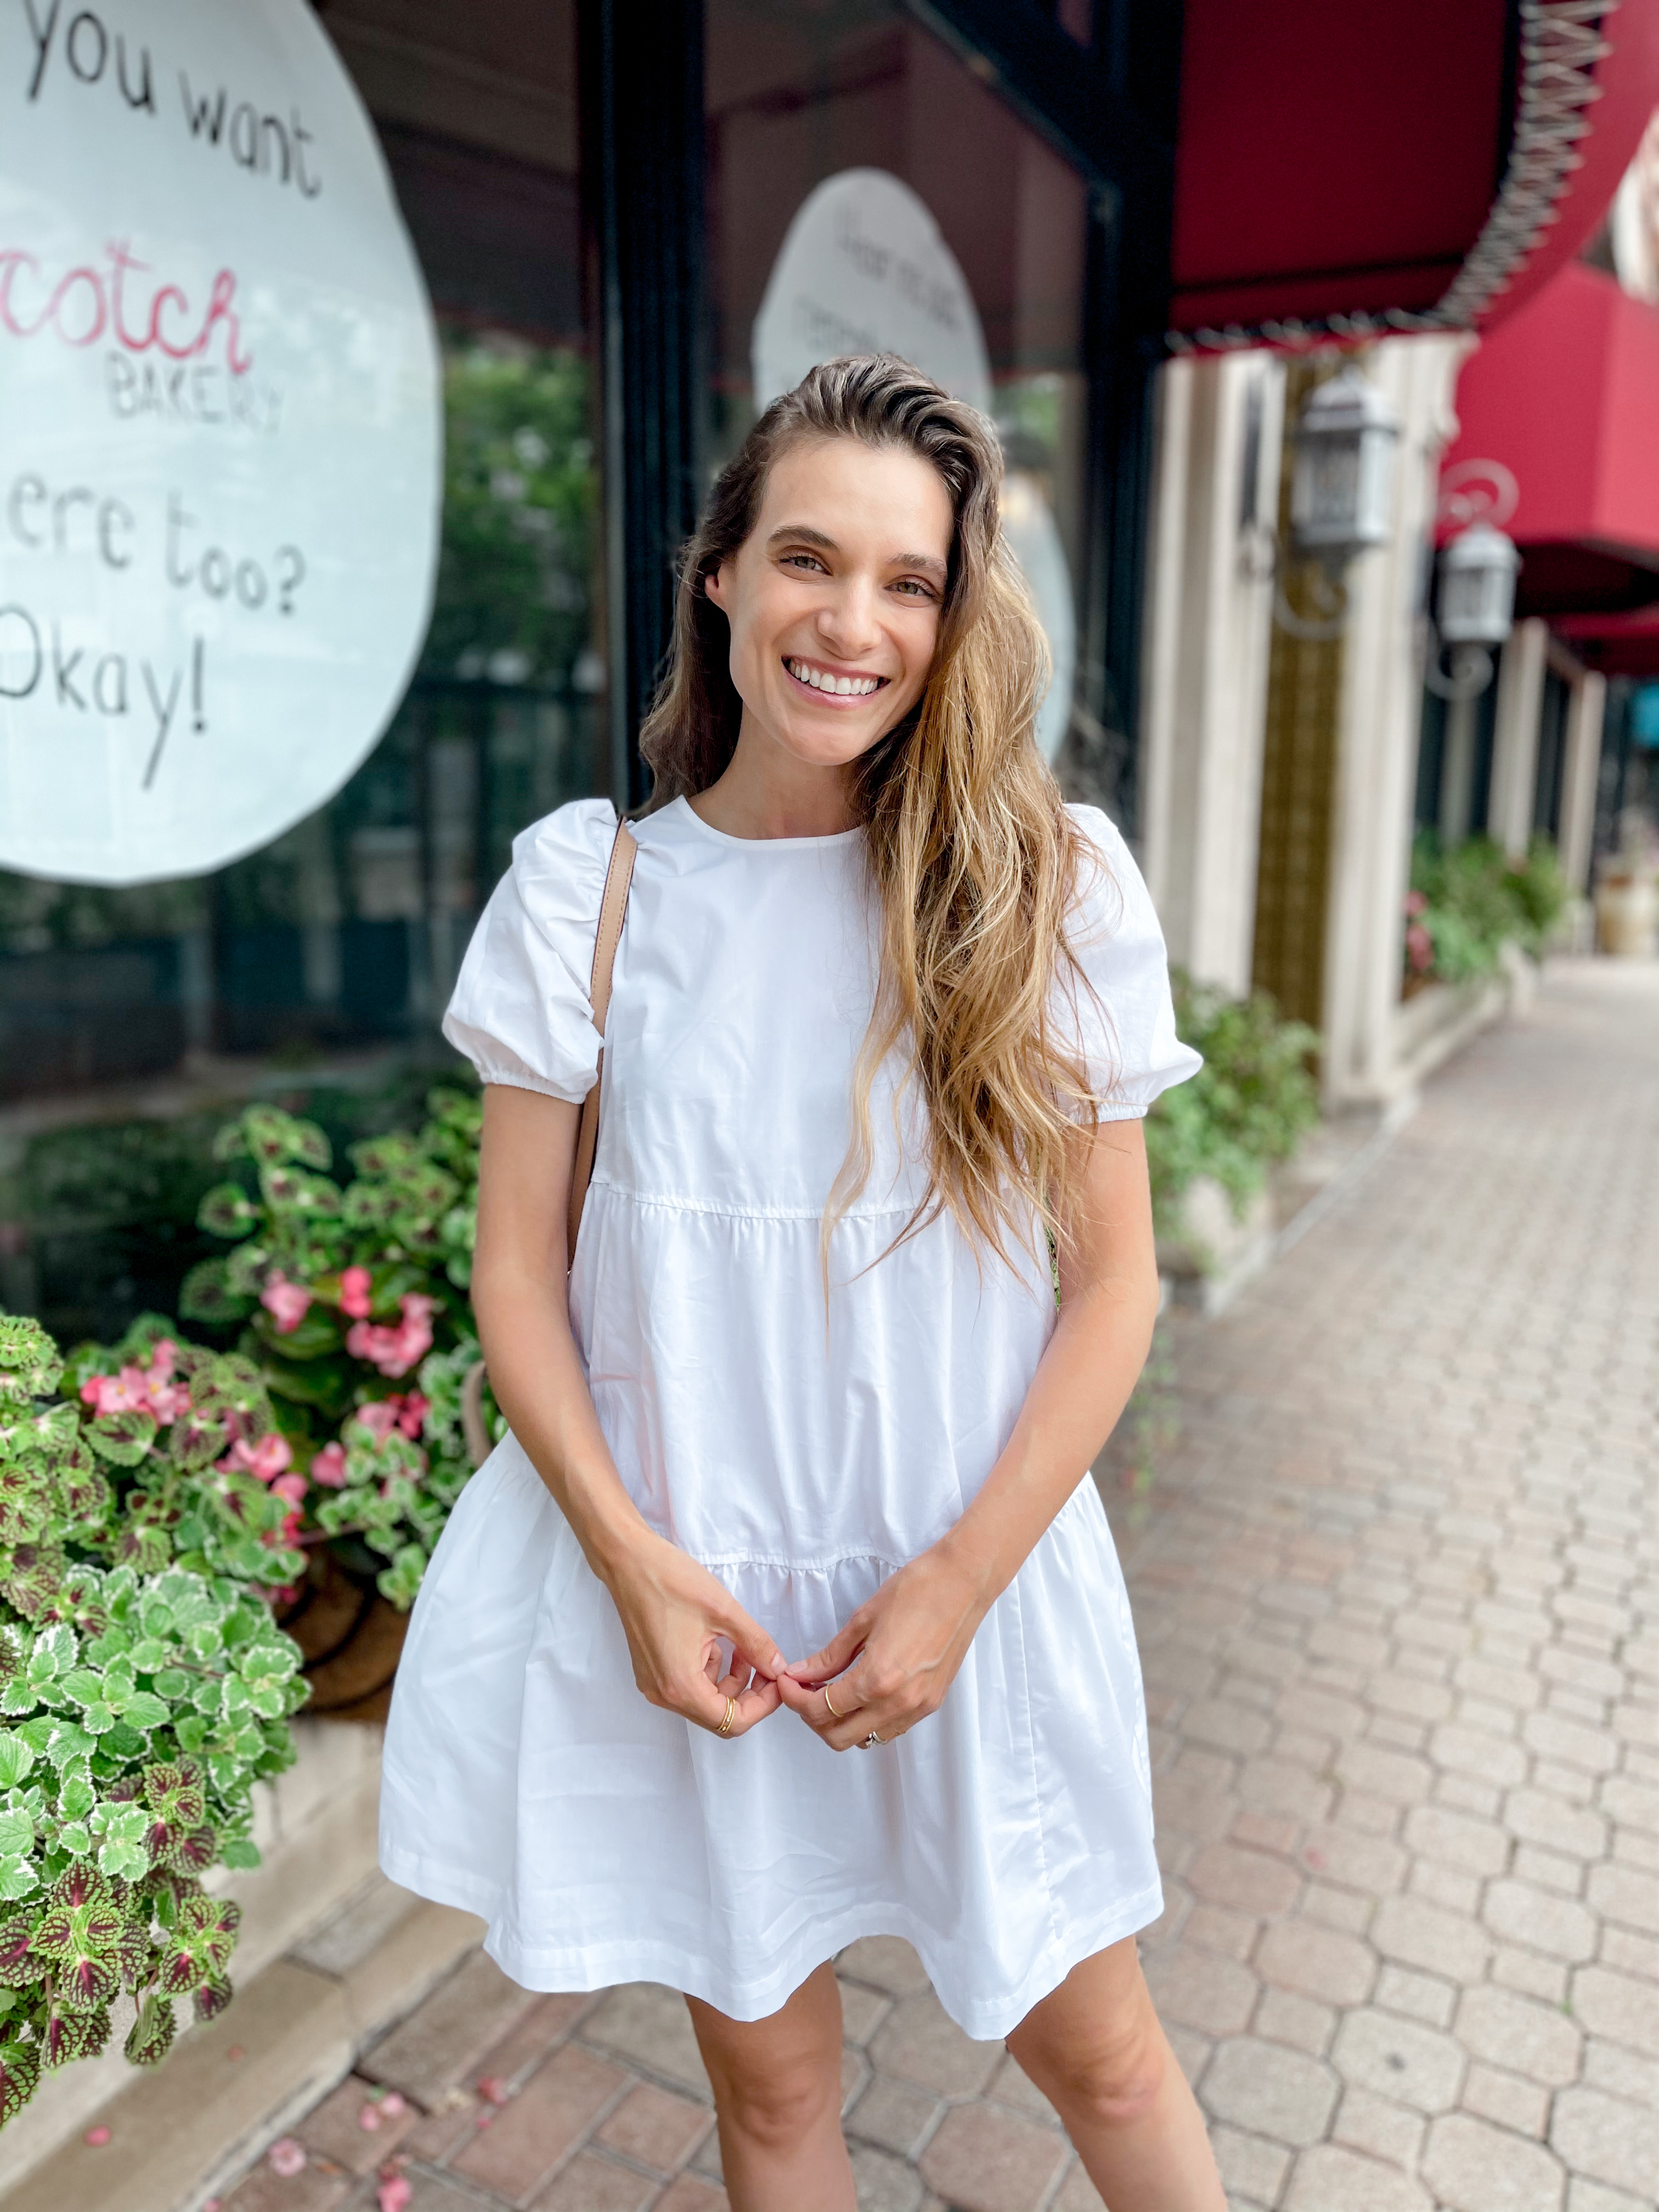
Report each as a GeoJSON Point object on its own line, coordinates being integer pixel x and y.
{"type": "Point", "coordinates": [865, 268]}
{"type": "Point", "coordinates": [220, 473]}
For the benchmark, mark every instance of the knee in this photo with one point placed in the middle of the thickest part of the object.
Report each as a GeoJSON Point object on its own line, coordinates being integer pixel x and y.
{"type": "Point", "coordinates": [775, 2111]}
{"type": "Point", "coordinates": [1111, 2081]}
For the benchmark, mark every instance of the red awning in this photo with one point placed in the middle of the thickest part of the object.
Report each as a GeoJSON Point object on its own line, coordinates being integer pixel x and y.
{"type": "Point", "coordinates": [1618, 645]}
{"type": "Point", "coordinates": [1393, 164]}
{"type": "Point", "coordinates": [1565, 397]}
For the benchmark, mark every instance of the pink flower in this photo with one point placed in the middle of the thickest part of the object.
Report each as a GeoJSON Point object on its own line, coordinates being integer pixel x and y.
{"type": "Point", "coordinates": [264, 1460]}
{"type": "Point", "coordinates": [393, 2196]}
{"type": "Point", "coordinates": [287, 2157]}
{"type": "Point", "coordinates": [1419, 948]}
{"type": "Point", "coordinates": [97, 2138]}
{"type": "Point", "coordinates": [289, 1487]}
{"type": "Point", "coordinates": [395, 1351]}
{"type": "Point", "coordinates": [329, 1466]}
{"type": "Point", "coordinates": [285, 1302]}
{"type": "Point", "coordinates": [140, 1389]}
{"type": "Point", "coordinates": [1415, 903]}
{"type": "Point", "coordinates": [493, 2090]}
{"type": "Point", "coordinates": [405, 1414]}
{"type": "Point", "coordinates": [355, 1285]}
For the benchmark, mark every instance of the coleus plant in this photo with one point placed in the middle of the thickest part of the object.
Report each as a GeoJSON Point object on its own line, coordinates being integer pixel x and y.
{"type": "Point", "coordinates": [354, 1296]}
{"type": "Point", "coordinates": [144, 1688]}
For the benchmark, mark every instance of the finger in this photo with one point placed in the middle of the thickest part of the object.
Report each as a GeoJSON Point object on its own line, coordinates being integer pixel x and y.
{"type": "Point", "coordinates": [750, 1642]}
{"type": "Point", "coordinates": [837, 1654]}
{"type": "Point", "coordinates": [799, 1699]}
{"type": "Point", "coordinates": [837, 1704]}
{"type": "Point", "coordinates": [753, 1707]}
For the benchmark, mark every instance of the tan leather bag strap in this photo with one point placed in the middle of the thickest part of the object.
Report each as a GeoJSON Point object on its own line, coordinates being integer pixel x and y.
{"type": "Point", "coordinates": [613, 908]}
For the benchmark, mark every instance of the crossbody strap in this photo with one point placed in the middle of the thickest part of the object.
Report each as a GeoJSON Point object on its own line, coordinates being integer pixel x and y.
{"type": "Point", "coordinates": [613, 908]}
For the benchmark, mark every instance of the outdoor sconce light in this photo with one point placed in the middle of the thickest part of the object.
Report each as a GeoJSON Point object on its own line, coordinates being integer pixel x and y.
{"type": "Point", "coordinates": [1344, 465]}
{"type": "Point", "coordinates": [1476, 597]}
{"type": "Point", "coordinates": [1341, 481]}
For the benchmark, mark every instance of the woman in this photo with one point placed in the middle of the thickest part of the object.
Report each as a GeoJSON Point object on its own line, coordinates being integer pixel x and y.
{"type": "Point", "coordinates": [798, 1465]}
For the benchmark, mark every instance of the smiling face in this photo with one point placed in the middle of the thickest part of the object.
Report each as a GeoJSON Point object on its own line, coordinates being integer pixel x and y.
{"type": "Point", "coordinates": [834, 599]}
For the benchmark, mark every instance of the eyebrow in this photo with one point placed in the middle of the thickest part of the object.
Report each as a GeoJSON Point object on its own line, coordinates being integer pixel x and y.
{"type": "Point", "coordinates": [803, 534]}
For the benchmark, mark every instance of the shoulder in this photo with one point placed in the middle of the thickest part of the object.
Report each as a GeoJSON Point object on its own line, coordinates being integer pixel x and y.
{"type": "Point", "coordinates": [1110, 895]}
{"type": "Point", "coordinates": [573, 840]}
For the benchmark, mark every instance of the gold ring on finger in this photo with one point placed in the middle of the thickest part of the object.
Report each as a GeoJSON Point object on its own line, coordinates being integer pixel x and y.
{"type": "Point", "coordinates": [830, 1702]}
{"type": "Point", "coordinates": [724, 1728]}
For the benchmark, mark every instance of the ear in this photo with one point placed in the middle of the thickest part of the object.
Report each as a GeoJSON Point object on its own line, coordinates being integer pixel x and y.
{"type": "Point", "coordinates": [713, 588]}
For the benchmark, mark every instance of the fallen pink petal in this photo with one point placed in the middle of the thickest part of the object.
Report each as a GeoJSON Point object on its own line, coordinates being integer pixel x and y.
{"type": "Point", "coordinates": [97, 2138]}
{"type": "Point", "coordinates": [394, 2195]}
{"type": "Point", "coordinates": [287, 2157]}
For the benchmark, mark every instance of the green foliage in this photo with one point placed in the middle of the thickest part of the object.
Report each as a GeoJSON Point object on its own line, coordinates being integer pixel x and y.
{"type": "Point", "coordinates": [1468, 900]}
{"type": "Point", "coordinates": [350, 1288]}
{"type": "Point", "coordinates": [518, 495]}
{"type": "Point", "coordinates": [1247, 1106]}
{"type": "Point", "coordinates": [144, 1686]}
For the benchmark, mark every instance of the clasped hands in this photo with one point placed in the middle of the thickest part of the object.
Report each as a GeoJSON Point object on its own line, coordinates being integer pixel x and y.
{"type": "Point", "coordinates": [887, 1668]}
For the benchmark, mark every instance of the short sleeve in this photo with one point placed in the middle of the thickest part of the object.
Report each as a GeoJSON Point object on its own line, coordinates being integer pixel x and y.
{"type": "Point", "coordinates": [520, 1011]}
{"type": "Point", "coordinates": [1119, 1010]}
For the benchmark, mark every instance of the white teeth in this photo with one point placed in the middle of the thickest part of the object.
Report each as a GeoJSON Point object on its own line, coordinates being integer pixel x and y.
{"type": "Point", "coordinates": [858, 687]}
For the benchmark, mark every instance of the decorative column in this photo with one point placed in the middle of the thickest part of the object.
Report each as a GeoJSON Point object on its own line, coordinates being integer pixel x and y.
{"type": "Point", "coordinates": [1585, 716]}
{"type": "Point", "coordinates": [1208, 634]}
{"type": "Point", "coordinates": [1379, 718]}
{"type": "Point", "coordinates": [1515, 737]}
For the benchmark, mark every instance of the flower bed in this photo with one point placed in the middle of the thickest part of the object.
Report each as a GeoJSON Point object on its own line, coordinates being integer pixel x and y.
{"type": "Point", "coordinates": [144, 1685]}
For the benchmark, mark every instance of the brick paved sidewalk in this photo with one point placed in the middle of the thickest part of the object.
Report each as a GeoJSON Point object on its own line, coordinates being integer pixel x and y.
{"type": "Point", "coordinates": [1395, 1583]}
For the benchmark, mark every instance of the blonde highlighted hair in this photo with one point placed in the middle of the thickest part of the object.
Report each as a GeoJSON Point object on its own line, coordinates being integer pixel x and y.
{"type": "Point", "coordinates": [974, 858]}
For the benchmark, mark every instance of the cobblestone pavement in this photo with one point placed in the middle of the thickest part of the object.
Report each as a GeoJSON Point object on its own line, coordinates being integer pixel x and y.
{"type": "Point", "coordinates": [1394, 1573]}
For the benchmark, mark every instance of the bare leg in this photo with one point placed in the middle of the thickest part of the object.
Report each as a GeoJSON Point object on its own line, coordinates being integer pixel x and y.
{"type": "Point", "coordinates": [777, 2099]}
{"type": "Point", "coordinates": [1095, 2050]}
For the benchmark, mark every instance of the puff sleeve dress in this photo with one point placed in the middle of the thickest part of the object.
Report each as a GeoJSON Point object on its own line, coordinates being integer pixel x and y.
{"type": "Point", "coordinates": [1008, 1835]}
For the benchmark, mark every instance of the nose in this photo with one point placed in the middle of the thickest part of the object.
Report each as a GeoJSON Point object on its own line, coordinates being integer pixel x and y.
{"type": "Point", "coordinates": [849, 621]}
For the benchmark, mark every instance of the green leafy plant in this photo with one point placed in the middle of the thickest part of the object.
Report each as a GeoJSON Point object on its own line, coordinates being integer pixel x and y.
{"type": "Point", "coordinates": [144, 1688]}
{"type": "Point", "coordinates": [1249, 1105]}
{"type": "Point", "coordinates": [354, 1295]}
{"type": "Point", "coordinates": [1467, 901]}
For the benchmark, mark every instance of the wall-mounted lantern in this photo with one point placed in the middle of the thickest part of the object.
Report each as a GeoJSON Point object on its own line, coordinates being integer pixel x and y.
{"type": "Point", "coordinates": [1343, 470]}
{"type": "Point", "coordinates": [1342, 482]}
{"type": "Point", "coordinates": [1475, 602]}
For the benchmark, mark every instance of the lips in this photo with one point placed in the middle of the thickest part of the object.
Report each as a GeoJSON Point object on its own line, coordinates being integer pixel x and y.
{"type": "Point", "coordinates": [828, 685]}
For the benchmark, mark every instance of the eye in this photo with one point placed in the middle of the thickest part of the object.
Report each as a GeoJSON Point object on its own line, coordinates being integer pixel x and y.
{"type": "Point", "coordinates": [914, 587]}
{"type": "Point", "coordinates": [805, 561]}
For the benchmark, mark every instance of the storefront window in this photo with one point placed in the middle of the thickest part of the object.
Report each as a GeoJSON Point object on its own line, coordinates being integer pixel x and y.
{"type": "Point", "coordinates": [798, 96]}
{"type": "Point", "coordinates": [346, 930]}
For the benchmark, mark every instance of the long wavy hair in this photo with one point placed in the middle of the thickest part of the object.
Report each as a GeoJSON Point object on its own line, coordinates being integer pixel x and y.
{"type": "Point", "coordinates": [975, 862]}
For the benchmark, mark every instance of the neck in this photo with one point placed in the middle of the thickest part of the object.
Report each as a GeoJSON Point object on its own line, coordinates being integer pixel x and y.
{"type": "Point", "coordinates": [767, 791]}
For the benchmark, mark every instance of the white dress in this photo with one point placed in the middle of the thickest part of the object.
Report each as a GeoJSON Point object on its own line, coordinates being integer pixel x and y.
{"type": "Point", "coordinates": [1008, 1836]}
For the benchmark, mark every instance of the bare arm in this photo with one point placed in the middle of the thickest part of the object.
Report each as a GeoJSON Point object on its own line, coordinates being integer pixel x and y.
{"type": "Point", "coordinates": [912, 1637]}
{"type": "Point", "coordinates": [673, 1611]}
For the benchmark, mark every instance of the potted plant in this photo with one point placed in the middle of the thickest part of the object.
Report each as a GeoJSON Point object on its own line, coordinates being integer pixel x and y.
{"type": "Point", "coordinates": [1627, 891]}
{"type": "Point", "coordinates": [352, 1297]}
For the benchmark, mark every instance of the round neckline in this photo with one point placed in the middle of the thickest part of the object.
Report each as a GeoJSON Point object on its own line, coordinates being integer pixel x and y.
{"type": "Point", "coordinates": [764, 844]}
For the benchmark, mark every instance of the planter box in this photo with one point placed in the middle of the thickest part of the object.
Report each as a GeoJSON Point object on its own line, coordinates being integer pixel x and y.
{"type": "Point", "coordinates": [1215, 1252]}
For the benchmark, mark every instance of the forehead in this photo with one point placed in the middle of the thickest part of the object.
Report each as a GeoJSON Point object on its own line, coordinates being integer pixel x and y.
{"type": "Point", "coordinates": [873, 497]}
